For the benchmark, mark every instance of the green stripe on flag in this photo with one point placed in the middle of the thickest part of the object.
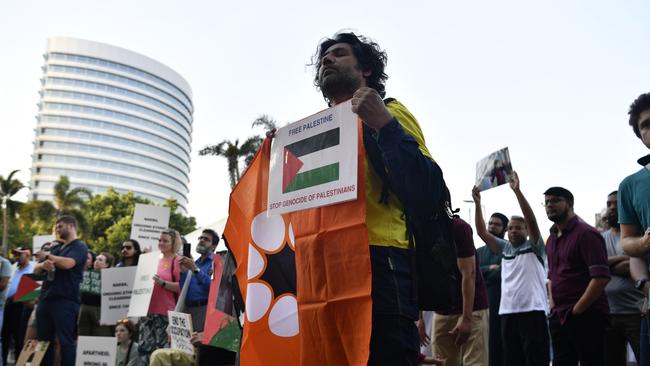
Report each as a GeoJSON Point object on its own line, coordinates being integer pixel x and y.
{"type": "Point", "coordinates": [310, 178]}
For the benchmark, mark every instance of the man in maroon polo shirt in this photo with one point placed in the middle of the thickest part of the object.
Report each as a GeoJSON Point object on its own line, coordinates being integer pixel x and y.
{"type": "Point", "coordinates": [578, 273]}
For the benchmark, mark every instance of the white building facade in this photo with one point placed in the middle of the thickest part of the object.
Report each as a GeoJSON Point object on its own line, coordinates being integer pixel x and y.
{"type": "Point", "coordinates": [109, 117]}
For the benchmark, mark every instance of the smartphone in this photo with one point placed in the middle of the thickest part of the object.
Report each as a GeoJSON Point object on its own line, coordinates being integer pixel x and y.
{"type": "Point", "coordinates": [187, 250]}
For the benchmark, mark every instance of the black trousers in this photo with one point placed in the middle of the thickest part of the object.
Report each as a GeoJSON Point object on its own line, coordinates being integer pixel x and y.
{"type": "Point", "coordinates": [13, 328]}
{"type": "Point", "coordinates": [525, 339]}
{"type": "Point", "coordinates": [580, 339]}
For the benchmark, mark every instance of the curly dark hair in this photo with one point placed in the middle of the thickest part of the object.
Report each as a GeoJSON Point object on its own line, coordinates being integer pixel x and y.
{"type": "Point", "coordinates": [640, 104]}
{"type": "Point", "coordinates": [367, 52]}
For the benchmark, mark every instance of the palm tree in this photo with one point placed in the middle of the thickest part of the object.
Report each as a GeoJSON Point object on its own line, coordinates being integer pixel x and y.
{"type": "Point", "coordinates": [71, 201]}
{"type": "Point", "coordinates": [8, 188]}
{"type": "Point", "coordinates": [233, 153]}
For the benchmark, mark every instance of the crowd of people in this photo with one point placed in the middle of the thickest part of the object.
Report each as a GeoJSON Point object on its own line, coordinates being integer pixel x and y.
{"type": "Point", "coordinates": [69, 302]}
{"type": "Point", "coordinates": [578, 298]}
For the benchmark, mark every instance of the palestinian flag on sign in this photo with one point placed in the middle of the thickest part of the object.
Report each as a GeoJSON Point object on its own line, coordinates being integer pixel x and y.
{"type": "Point", "coordinates": [305, 165]}
{"type": "Point", "coordinates": [28, 288]}
{"type": "Point", "coordinates": [305, 277]}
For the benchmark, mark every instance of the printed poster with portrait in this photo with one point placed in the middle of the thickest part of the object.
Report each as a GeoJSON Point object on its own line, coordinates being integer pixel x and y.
{"type": "Point", "coordinates": [221, 327]}
{"type": "Point", "coordinates": [494, 170]}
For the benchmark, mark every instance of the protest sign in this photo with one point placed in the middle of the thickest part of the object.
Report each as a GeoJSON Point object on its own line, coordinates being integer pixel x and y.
{"type": "Point", "coordinates": [148, 222]}
{"type": "Point", "coordinates": [34, 350]}
{"type": "Point", "coordinates": [96, 351]}
{"type": "Point", "coordinates": [314, 161]}
{"type": "Point", "coordinates": [117, 285]}
{"type": "Point", "coordinates": [221, 328]}
{"type": "Point", "coordinates": [180, 331]}
{"type": "Point", "coordinates": [493, 170]}
{"type": "Point", "coordinates": [143, 284]}
{"type": "Point", "coordinates": [39, 240]}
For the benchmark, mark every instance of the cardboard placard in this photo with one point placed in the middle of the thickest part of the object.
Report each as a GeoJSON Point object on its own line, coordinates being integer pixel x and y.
{"type": "Point", "coordinates": [117, 286]}
{"type": "Point", "coordinates": [143, 284]}
{"type": "Point", "coordinates": [180, 331]}
{"type": "Point", "coordinates": [148, 222]}
{"type": "Point", "coordinates": [96, 351]}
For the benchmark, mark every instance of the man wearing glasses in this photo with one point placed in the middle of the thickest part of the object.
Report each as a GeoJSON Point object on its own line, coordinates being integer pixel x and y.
{"type": "Point", "coordinates": [578, 273]}
{"type": "Point", "coordinates": [199, 287]}
{"type": "Point", "coordinates": [130, 253]}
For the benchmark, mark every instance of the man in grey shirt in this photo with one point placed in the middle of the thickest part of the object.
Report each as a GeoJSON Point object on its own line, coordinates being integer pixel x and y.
{"type": "Point", "coordinates": [623, 296]}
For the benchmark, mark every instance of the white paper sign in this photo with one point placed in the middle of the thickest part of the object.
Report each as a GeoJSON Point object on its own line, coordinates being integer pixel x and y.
{"type": "Point", "coordinates": [148, 222]}
{"type": "Point", "coordinates": [143, 284]}
{"type": "Point", "coordinates": [180, 331]}
{"type": "Point", "coordinates": [314, 161]}
{"type": "Point", "coordinates": [96, 351]}
{"type": "Point", "coordinates": [39, 240]}
{"type": "Point", "coordinates": [117, 285]}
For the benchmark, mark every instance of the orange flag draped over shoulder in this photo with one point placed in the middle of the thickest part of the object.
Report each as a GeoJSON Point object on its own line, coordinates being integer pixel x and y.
{"type": "Point", "coordinates": [304, 276]}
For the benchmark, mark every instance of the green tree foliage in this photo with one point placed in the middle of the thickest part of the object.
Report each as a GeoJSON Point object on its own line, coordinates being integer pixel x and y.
{"type": "Point", "coordinates": [111, 215]}
{"type": "Point", "coordinates": [8, 188]}
{"type": "Point", "coordinates": [72, 202]}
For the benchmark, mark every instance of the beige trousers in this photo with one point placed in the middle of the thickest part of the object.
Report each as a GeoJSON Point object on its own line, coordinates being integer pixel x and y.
{"type": "Point", "coordinates": [474, 352]}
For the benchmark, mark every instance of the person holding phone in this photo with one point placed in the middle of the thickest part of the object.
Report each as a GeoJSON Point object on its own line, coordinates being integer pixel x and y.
{"type": "Point", "coordinates": [196, 299]}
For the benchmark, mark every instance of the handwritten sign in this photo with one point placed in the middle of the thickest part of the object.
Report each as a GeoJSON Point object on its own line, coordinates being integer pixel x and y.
{"type": "Point", "coordinates": [180, 331]}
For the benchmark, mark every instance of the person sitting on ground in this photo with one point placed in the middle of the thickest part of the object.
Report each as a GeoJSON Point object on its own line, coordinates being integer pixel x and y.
{"type": "Point", "coordinates": [127, 349]}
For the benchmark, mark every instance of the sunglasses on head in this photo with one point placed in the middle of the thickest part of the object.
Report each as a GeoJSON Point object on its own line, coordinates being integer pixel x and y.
{"type": "Point", "coordinates": [123, 321]}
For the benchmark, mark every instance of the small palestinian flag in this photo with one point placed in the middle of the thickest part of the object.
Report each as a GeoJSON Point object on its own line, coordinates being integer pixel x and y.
{"type": "Point", "coordinates": [306, 165]}
{"type": "Point", "coordinates": [28, 289]}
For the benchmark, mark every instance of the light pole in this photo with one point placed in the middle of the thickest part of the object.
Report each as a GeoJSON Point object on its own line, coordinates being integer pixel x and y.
{"type": "Point", "coordinates": [5, 227]}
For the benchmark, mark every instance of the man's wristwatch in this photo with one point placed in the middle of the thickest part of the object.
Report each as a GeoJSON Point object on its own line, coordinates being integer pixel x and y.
{"type": "Point", "coordinates": [640, 284]}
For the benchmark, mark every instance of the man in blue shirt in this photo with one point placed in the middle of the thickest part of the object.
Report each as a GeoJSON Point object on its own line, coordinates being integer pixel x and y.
{"type": "Point", "coordinates": [16, 313]}
{"type": "Point", "coordinates": [59, 302]}
{"type": "Point", "coordinates": [199, 287]}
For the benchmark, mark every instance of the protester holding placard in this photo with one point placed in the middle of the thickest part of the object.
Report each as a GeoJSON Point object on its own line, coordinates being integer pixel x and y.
{"type": "Point", "coordinates": [152, 328]}
{"type": "Point", "coordinates": [130, 253]}
{"type": "Point", "coordinates": [127, 349]}
{"type": "Point", "coordinates": [89, 313]}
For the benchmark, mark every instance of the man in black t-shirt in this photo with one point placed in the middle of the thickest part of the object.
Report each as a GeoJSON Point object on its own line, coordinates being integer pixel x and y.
{"type": "Point", "coordinates": [58, 306]}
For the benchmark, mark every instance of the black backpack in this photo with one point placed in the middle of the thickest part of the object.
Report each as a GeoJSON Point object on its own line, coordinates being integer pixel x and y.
{"type": "Point", "coordinates": [436, 278]}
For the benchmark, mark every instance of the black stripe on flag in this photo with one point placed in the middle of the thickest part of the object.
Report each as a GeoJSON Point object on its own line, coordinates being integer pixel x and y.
{"type": "Point", "coordinates": [315, 143]}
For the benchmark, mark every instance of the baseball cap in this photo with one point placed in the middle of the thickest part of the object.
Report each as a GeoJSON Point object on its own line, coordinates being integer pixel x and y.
{"type": "Point", "coordinates": [21, 250]}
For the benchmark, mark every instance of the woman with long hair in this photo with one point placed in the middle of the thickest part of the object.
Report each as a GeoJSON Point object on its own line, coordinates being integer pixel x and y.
{"type": "Point", "coordinates": [153, 327]}
{"type": "Point", "coordinates": [90, 290]}
{"type": "Point", "coordinates": [127, 348]}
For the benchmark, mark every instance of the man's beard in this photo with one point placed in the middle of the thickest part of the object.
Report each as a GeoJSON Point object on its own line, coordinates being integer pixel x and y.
{"type": "Point", "coordinates": [339, 85]}
{"type": "Point", "coordinates": [560, 217]}
{"type": "Point", "coordinates": [612, 221]}
{"type": "Point", "coordinates": [499, 235]}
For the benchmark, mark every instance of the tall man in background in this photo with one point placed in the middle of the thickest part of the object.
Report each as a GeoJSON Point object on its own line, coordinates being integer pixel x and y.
{"type": "Point", "coordinates": [634, 212]}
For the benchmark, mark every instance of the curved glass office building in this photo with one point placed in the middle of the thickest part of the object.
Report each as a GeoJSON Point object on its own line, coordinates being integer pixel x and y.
{"type": "Point", "coordinates": [109, 117]}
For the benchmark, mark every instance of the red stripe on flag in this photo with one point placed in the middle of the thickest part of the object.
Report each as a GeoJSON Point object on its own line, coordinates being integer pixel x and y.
{"type": "Point", "coordinates": [290, 167]}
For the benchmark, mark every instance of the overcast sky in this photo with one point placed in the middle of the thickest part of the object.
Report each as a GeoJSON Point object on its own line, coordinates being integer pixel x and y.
{"type": "Point", "coordinates": [552, 81]}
